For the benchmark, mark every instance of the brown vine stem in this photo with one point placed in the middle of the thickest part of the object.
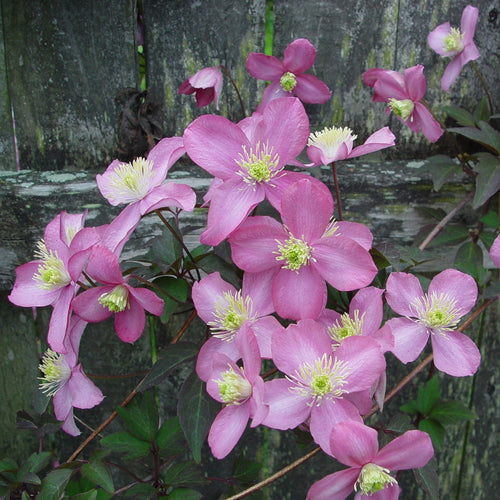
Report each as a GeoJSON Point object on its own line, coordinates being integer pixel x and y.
{"type": "Point", "coordinates": [388, 396]}
{"type": "Point", "coordinates": [445, 221]}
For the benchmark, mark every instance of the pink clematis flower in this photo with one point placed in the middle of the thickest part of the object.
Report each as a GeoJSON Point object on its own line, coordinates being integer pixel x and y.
{"type": "Point", "coordinates": [356, 445]}
{"type": "Point", "coordinates": [248, 158]}
{"type": "Point", "coordinates": [116, 296]}
{"type": "Point", "coordinates": [206, 85]}
{"type": "Point", "coordinates": [304, 253]}
{"type": "Point", "coordinates": [335, 143]}
{"type": "Point", "coordinates": [451, 295]}
{"type": "Point", "coordinates": [495, 252]}
{"type": "Point", "coordinates": [52, 278]}
{"type": "Point", "coordinates": [64, 379]}
{"type": "Point", "coordinates": [288, 76]}
{"type": "Point", "coordinates": [320, 385]}
{"type": "Point", "coordinates": [457, 44]}
{"type": "Point", "coordinates": [141, 186]}
{"type": "Point", "coordinates": [241, 391]}
{"type": "Point", "coordinates": [403, 94]}
{"type": "Point", "coordinates": [230, 314]}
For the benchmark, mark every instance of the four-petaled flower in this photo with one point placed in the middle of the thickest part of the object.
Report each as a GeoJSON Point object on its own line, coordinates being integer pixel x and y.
{"type": "Point", "coordinates": [206, 85]}
{"type": "Point", "coordinates": [457, 44]}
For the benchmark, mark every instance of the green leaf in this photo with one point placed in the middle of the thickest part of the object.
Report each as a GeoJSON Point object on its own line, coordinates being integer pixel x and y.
{"type": "Point", "coordinates": [245, 471]}
{"type": "Point", "coordinates": [492, 136]}
{"type": "Point", "coordinates": [172, 356]}
{"type": "Point", "coordinates": [8, 465]}
{"type": "Point", "coordinates": [183, 474]}
{"type": "Point", "coordinates": [196, 410]}
{"type": "Point", "coordinates": [97, 472]}
{"type": "Point", "coordinates": [451, 234]}
{"type": "Point", "coordinates": [54, 483]}
{"type": "Point", "coordinates": [443, 169]}
{"type": "Point", "coordinates": [427, 477]}
{"type": "Point", "coordinates": [428, 395]}
{"type": "Point", "coordinates": [141, 417]}
{"type": "Point", "coordinates": [127, 444]}
{"type": "Point", "coordinates": [399, 423]}
{"type": "Point", "coordinates": [488, 179]}
{"type": "Point", "coordinates": [170, 438]}
{"type": "Point", "coordinates": [487, 237]}
{"type": "Point", "coordinates": [36, 462]}
{"type": "Point", "coordinates": [451, 413]}
{"type": "Point", "coordinates": [485, 135]}
{"type": "Point", "coordinates": [212, 263]}
{"type": "Point", "coordinates": [410, 408]}
{"type": "Point", "coordinates": [469, 259]}
{"type": "Point", "coordinates": [490, 219]}
{"type": "Point", "coordinates": [482, 111]}
{"type": "Point", "coordinates": [435, 430]}
{"type": "Point", "coordinates": [176, 293]}
{"type": "Point", "coordinates": [166, 249]}
{"type": "Point", "coordinates": [143, 491]}
{"type": "Point", "coordinates": [460, 115]}
{"type": "Point", "coordinates": [87, 495]}
{"type": "Point", "coordinates": [184, 494]}
{"type": "Point", "coordinates": [28, 478]}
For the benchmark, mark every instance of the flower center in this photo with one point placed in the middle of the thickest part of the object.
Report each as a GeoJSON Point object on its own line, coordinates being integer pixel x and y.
{"type": "Point", "coordinates": [295, 252]}
{"type": "Point", "coordinates": [116, 300]}
{"type": "Point", "coordinates": [323, 379]}
{"type": "Point", "coordinates": [130, 181]}
{"type": "Point", "coordinates": [403, 108]}
{"type": "Point", "coordinates": [373, 478]}
{"type": "Point", "coordinates": [231, 311]}
{"type": "Point", "coordinates": [437, 312]}
{"type": "Point", "coordinates": [288, 81]}
{"type": "Point", "coordinates": [52, 273]}
{"type": "Point", "coordinates": [454, 42]}
{"type": "Point", "coordinates": [234, 388]}
{"type": "Point", "coordinates": [330, 139]}
{"type": "Point", "coordinates": [55, 372]}
{"type": "Point", "coordinates": [347, 327]}
{"type": "Point", "coordinates": [259, 165]}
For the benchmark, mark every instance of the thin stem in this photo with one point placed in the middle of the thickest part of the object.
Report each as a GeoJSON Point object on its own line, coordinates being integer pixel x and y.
{"type": "Point", "coordinates": [485, 87]}
{"type": "Point", "coordinates": [184, 328]}
{"type": "Point", "coordinates": [156, 287]}
{"type": "Point", "coordinates": [445, 221]}
{"type": "Point", "coordinates": [235, 88]}
{"type": "Point", "coordinates": [337, 191]}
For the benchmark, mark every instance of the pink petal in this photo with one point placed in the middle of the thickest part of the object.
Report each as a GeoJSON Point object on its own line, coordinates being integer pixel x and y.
{"type": "Point", "coordinates": [147, 299]}
{"type": "Point", "coordinates": [410, 451]}
{"type": "Point", "coordinates": [264, 67]}
{"type": "Point", "coordinates": [258, 287]}
{"type": "Point", "coordinates": [213, 346]}
{"type": "Point", "coordinates": [59, 320]}
{"type": "Point", "coordinates": [263, 329]}
{"type": "Point", "coordinates": [306, 209]}
{"type": "Point", "coordinates": [494, 252]}
{"type": "Point", "coordinates": [387, 86]}
{"type": "Point", "coordinates": [169, 194]}
{"type": "Point", "coordinates": [129, 324]}
{"type": "Point", "coordinates": [430, 127]}
{"type": "Point", "coordinates": [353, 443]}
{"type": "Point", "coordinates": [86, 304]}
{"type": "Point", "coordinates": [410, 338]}
{"type": "Point", "coordinates": [249, 348]}
{"type": "Point", "coordinates": [311, 89]}
{"type": "Point", "coordinates": [103, 266]}
{"type": "Point", "coordinates": [83, 391]}
{"type": "Point", "coordinates": [415, 82]}
{"type": "Point", "coordinates": [227, 428]}
{"type": "Point", "coordinates": [355, 231]}
{"type": "Point", "coordinates": [436, 38]}
{"type": "Point", "coordinates": [343, 263]}
{"type": "Point", "coordinates": [163, 155]}
{"type": "Point", "coordinates": [299, 295]}
{"type": "Point", "coordinates": [69, 425]}
{"type": "Point", "coordinates": [381, 139]}
{"type": "Point", "coordinates": [207, 292]}
{"type": "Point", "coordinates": [299, 55]}
{"type": "Point", "coordinates": [402, 290]}
{"type": "Point", "coordinates": [457, 285]}
{"type": "Point", "coordinates": [272, 91]}
{"type": "Point", "coordinates": [335, 486]}
{"type": "Point", "coordinates": [468, 22]}
{"type": "Point", "coordinates": [455, 354]}
{"type": "Point", "coordinates": [117, 233]}
{"type": "Point", "coordinates": [368, 301]}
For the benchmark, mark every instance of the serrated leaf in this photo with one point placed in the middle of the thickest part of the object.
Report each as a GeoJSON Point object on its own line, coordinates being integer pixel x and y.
{"type": "Point", "coordinates": [451, 413]}
{"type": "Point", "coordinates": [428, 395]}
{"type": "Point", "coordinates": [245, 471]}
{"type": "Point", "coordinates": [141, 417]}
{"type": "Point", "coordinates": [410, 408]}
{"type": "Point", "coordinates": [435, 430]}
{"type": "Point", "coordinates": [184, 494]}
{"type": "Point", "coordinates": [53, 484]}
{"type": "Point", "coordinates": [172, 356]}
{"type": "Point", "coordinates": [183, 474]}
{"type": "Point", "coordinates": [97, 472]}
{"type": "Point", "coordinates": [469, 259]}
{"type": "Point", "coordinates": [460, 115]}
{"type": "Point", "coordinates": [127, 444]}
{"type": "Point", "coordinates": [170, 438]}
{"type": "Point", "coordinates": [196, 411]}
{"type": "Point", "coordinates": [427, 477]}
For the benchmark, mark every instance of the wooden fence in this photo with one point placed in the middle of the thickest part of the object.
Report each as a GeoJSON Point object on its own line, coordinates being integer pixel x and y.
{"type": "Point", "coordinates": [69, 77]}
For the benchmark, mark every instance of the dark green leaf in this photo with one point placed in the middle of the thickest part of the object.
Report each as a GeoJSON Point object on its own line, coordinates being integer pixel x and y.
{"type": "Point", "coordinates": [196, 410]}
{"type": "Point", "coordinates": [410, 408]}
{"type": "Point", "coordinates": [451, 234]}
{"type": "Point", "coordinates": [492, 136]}
{"type": "Point", "coordinates": [8, 465]}
{"type": "Point", "coordinates": [141, 417]}
{"type": "Point", "coordinates": [127, 444]}
{"type": "Point", "coordinates": [490, 219]}
{"type": "Point", "coordinates": [183, 474]}
{"type": "Point", "coordinates": [28, 478]}
{"type": "Point", "coordinates": [428, 395]}
{"type": "Point", "coordinates": [172, 356]}
{"type": "Point", "coordinates": [443, 169]}
{"type": "Point", "coordinates": [212, 263]}
{"type": "Point", "coordinates": [25, 496]}
{"type": "Point", "coordinates": [399, 423]}
{"type": "Point", "coordinates": [451, 413]}
{"type": "Point", "coordinates": [487, 237]}
{"type": "Point", "coordinates": [53, 484]}
{"type": "Point", "coordinates": [460, 115]}
{"type": "Point", "coordinates": [480, 136]}
{"type": "Point", "coordinates": [482, 111]}
{"type": "Point", "coordinates": [491, 292]}
{"type": "Point", "coordinates": [36, 462]}
{"type": "Point", "coordinates": [166, 249]}
{"type": "Point", "coordinates": [435, 430]}
{"type": "Point", "coordinates": [97, 472]}
{"type": "Point", "coordinates": [245, 471]}
{"type": "Point", "coordinates": [379, 258]}
{"type": "Point", "coordinates": [427, 477]}
{"type": "Point", "coordinates": [176, 293]}
{"type": "Point", "coordinates": [142, 491]}
{"type": "Point", "coordinates": [469, 259]}
{"type": "Point", "coordinates": [184, 494]}
{"type": "Point", "coordinates": [171, 438]}
{"type": "Point", "coordinates": [87, 495]}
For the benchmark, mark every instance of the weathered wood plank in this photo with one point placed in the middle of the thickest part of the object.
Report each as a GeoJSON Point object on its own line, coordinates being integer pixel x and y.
{"type": "Point", "coordinates": [66, 62]}
{"type": "Point", "coordinates": [182, 37]}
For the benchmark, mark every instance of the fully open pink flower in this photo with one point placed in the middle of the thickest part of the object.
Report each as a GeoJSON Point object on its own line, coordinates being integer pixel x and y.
{"type": "Point", "coordinates": [206, 85]}
{"type": "Point", "coordinates": [356, 445]}
{"type": "Point", "coordinates": [64, 379]}
{"type": "Point", "coordinates": [241, 391]}
{"type": "Point", "coordinates": [457, 44]}
{"type": "Point", "coordinates": [319, 383]}
{"type": "Point", "coordinates": [249, 159]}
{"type": "Point", "coordinates": [451, 295]}
{"type": "Point", "coordinates": [288, 76]}
{"type": "Point", "coordinates": [335, 143]}
{"type": "Point", "coordinates": [115, 296]}
{"type": "Point", "coordinates": [304, 253]}
{"type": "Point", "coordinates": [403, 94]}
